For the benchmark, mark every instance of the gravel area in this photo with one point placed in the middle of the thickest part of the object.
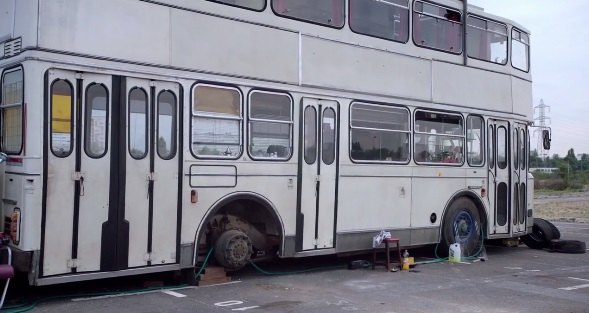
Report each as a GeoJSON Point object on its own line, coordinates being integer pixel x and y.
{"type": "Point", "coordinates": [571, 207]}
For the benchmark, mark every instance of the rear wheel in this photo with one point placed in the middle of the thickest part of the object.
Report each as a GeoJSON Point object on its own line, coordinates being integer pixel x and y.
{"type": "Point", "coordinates": [233, 249]}
{"type": "Point", "coordinates": [462, 224]}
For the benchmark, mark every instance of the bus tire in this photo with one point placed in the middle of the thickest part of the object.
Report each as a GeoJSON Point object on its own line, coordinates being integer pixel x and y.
{"type": "Point", "coordinates": [233, 249]}
{"type": "Point", "coordinates": [462, 224]}
{"type": "Point", "coordinates": [569, 246]}
{"type": "Point", "coordinates": [540, 236]}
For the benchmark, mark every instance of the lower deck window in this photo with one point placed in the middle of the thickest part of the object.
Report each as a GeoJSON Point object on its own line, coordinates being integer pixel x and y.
{"type": "Point", "coordinates": [379, 133]}
{"type": "Point", "coordinates": [270, 125]}
{"type": "Point", "coordinates": [216, 122]}
{"type": "Point", "coordinates": [439, 138]}
{"type": "Point", "coordinates": [11, 110]}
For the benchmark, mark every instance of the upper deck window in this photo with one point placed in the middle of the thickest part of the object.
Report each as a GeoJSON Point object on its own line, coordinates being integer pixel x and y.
{"type": "Point", "coordinates": [520, 50]}
{"type": "Point", "coordinates": [379, 133]}
{"type": "Point", "coordinates": [322, 12]}
{"type": "Point", "coordinates": [256, 5]}
{"type": "Point", "coordinates": [216, 122]}
{"type": "Point", "coordinates": [487, 40]}
{"type": "Point", "coordinates": [11, 110]}
{"type": "Point", "coordinates": [439, 138]}
{"type": "Point", "coordinates": [437, 27]}
{"type": "Point", "coordinates": [387, 19]}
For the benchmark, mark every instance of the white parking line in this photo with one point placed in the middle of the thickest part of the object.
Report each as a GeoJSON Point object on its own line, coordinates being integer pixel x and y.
{"type": "Point", "coordinates": [173, 293]}
{"type": "Point", "coordinates": [576, 278]}
{"type": "Point", "coordinates": [577, 286]}
{"type": "Point", "coordinates": [116, 295]}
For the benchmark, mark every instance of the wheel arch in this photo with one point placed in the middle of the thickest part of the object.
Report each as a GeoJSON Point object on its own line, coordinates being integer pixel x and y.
{"type": "Point", "coordinates": [233, 198]}
{"type": "Point", "coordinates": [476, 200]}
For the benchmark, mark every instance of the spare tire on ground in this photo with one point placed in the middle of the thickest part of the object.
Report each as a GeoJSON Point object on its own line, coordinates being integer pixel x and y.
{"type": "Point", "coordinates": [555, 231]}
{"type": "Point", "coordinates": [568, 246]}
{"type": "Point", "coordinates": [542, 234]}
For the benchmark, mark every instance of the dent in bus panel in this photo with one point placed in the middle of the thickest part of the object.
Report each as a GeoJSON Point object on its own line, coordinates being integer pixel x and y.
{"type": "Point", "coordinates": [62, 104]}
{"type": "Point", "coordinates": [325, 12]}
{"type": "Point", "coordinates": [379, 133]}
{"type": "Point", "coordinates": [437, 27]}
{"type": "Point", "coordinates": [487, 40]}
{"type": "Point", "coordinates": [270, 125]}
{"type": "Point", "coordinates": [386, 19]}
{"type": "Point", "coordinates": [11, 110]}
{"type": "Point", "coordinates": [96, 120]}
{"type": "Point", "coordinates": [216, 122]}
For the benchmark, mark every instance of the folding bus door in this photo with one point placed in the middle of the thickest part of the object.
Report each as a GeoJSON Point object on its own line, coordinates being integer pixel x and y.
{"type": "Point", "coordinates": [77, 182]}
{"type": "Point", "coordinates": [519, 178]}
{"type": "Point", "coordinates": [499, 175]}
{"type": "Point", "coordinates": [318, 177]}
{"type": "Point", "coordinates": [151, 183]}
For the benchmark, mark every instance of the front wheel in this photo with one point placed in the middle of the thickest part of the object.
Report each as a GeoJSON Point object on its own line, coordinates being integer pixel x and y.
{"type": "Point", "coordinates": [462, 224]}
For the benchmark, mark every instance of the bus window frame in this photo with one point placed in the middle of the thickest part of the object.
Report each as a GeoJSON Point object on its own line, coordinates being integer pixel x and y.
{"type": "Point", "coordinates": [22, 113]}
{"type": "Point", "coordinates": [88, 117]}
{"type": "Point", "coordinates": [408, 26]}
{"type": "Point", "coordinates": [147, 126]}
{"type": "Point", "coordinates": [408, 131]}
{"type": "Point", "coordinates": [248, 132]}
{"type": "Point", "coordinates": [463, 136]}
{"type": "Point", "coordinates": [528, 50]}
{"type": "Point", "coordinates": [72, 116]}
{"type": "Point", "coordinates": [344, 2]}
{"type": "Point", "coordinates": [483, 140]}
{"type": "Point", "coordinates": [461, 23]}
{"type": "Point", "coordinates": [242, 7]}
{"type": "Point", "coordinates": [193, 114]}
{"type": "Point", "coordinates": [174, 126]}
{"type": "Point", "coordinates": [507, 36]}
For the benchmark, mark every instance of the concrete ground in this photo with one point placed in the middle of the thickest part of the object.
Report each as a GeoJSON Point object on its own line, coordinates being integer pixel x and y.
{"type": "Point", "coordinates": [512, 279]}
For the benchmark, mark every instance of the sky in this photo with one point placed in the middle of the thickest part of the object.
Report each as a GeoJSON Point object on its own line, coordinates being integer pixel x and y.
{"type": "Point", "coordinates": [559, 63]}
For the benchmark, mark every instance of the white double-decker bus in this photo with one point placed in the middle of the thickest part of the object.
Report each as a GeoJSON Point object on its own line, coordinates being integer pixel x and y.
{"type": "Point", "coordinates": [142, 134]}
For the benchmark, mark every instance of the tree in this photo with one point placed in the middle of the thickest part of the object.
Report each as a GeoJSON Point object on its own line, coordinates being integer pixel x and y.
{"type": "Point", "coordinates": [571, 159]}
{"type": "Point", "coordinates": [162, 146]}
{"type": "Point", "coordinates": [535, 160]}
{"type": "Point", "coordinates": [584, 161]}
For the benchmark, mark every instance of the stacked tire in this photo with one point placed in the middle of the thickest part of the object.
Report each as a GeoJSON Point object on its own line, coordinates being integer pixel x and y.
{"type": "Point", "coordinates": [546, 235]}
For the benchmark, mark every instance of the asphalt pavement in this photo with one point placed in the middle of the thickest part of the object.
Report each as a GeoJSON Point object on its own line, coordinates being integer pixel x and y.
{"type": "Point", "coordinates": [512, 279]}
